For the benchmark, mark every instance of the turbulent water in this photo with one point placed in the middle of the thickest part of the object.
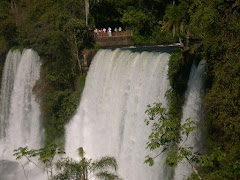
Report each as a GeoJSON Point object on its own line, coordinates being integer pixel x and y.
{"type": "Point", "coordinates": [193, 109]}
{"type": "Point", "coordinates": [20, 113]}
{"type": "Point", "coordinates": [110, 118]}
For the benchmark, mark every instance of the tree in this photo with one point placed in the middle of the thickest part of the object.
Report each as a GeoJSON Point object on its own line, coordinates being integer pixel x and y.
{"type": "Point", "coordinates": [75, 31]}
{"type": "Point", "coordinates": [87, 11]}
{"type": "Point", "coordinates": [141, 22]}
{"type": "Point", "coordinates": [173, 18]}
{"type": "Point", "coordinates": [216, 23]}
{"type": "Point", "coordinates": [167, 135]}
{"type": "Point", "coordinates": [57, 31]}
{"type": "Point", "coordinates": [87, 168]}
{"type": "Point", "coordinates": [8, 29]}
{"type": "Point", "coordinates": [45, 156]}
{"type": "Point", "coordinates": [103, 169]}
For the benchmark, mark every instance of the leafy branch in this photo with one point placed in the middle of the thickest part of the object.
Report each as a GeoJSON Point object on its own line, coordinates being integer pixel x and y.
{"type": "Point", "coordinates": [66, 168]}
{"type": "Point", "coordinates": [167, 134]}
{"type": "Point", "coordinates": [45, 156]}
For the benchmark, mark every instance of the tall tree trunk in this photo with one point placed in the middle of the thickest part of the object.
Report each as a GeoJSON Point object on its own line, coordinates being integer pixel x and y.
{"type": "Point", "coordinates": [14, 10]}
{"type": "Point", "coordinates": [188, 37]}
{"type": "Point", "coordinates": [13, 4]}
{"type": "Point", "coordinates": [194, 169]}
{"type": "Point", "coordinates": [77, 54]}
{"type": "Point", "coordinates": [87, 11]}
{"type": "Point", "coordinates": [174, 30]}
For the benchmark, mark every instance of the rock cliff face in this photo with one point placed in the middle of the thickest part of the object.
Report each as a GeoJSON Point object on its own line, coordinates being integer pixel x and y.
{"type": "Point", "coordinates": [88, 55]}
{"type": "Point", "coordinates": [115, 41]}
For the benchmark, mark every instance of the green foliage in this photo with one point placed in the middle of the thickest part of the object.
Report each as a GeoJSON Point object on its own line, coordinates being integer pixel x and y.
{"type": "Point", "coordinates": [177, 17]}
{"type": "Point", "coordinates": [70, 168]}
{"type": "Point", "coordinates": [178, 154]}
{"type": "Point", "coordinates": [178, 74]}
{"type": "Point", "coordinates": [56, 30]}
{"type": "Point", "coordinates": [81, 152]}
{"type": "Point", "coordinates": [106, 176]}
{"type": "Point", "coordinates": [102, 169]}
{"type": "Point", "coordinates": [173, 17]}
{"type": "Point", "coordinates": [58, 107]}
{"type": "Point", "coordinates": [104, 163]}
{"type": "Point", "coordinates": [45, 155]}
{"type": "Point", "coordinates": [138, 21]}
{"type": "Point", "coordinates": [164, 129]}
{"type": "Point", "coordinates": [179, 68]}
{"type": "Point", "coordinates": [107, 13]}
{"type": "Point", "coordinates": [96, 47]}
{"type": "Point", "coordinates": [167, 136]}
{"type": "Point", "coordinates": [217, 24]}
{"type": "Point", "coordinates": [141, 16]}
{"type": "Point", "coordinates": [8, 29]}
{"type": "Point", "coordinates": [160, 36]}
{"type": "Point", "coordinates": [86, 168]}
{"type": "Point", "coordinates": [55, 27]}
{"type": "Point", "coordinates": [172, 158]}
{"type": "Point", "coordinates": [20, 48]}
{"type": "Point", "coordinates": [110, 13]}
{"type": "Point", "coordinates": [217, 164]}
{"type": "Point", "coordinates": [167, 133]}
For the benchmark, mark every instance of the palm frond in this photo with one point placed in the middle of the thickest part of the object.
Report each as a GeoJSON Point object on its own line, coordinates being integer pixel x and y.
{"type": "Point", "coordinates": [104, 163]}
{"type": "Point", "coordinates": [104, 175]}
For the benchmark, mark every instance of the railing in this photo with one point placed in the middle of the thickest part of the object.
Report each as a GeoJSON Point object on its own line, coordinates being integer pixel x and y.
{"type": "Point", "coordinates": [113, 34]}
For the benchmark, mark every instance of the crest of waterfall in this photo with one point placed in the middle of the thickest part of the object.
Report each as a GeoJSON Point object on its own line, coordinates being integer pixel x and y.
{"type": "Point", "coordinates": [110, 118]}
{"type": "Point", "coordinates": [193, 109]}
{"type": "Point", "coordinates": [20, 113]}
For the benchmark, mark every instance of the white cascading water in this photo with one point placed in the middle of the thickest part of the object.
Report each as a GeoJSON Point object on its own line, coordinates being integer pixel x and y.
{"type": "Point", "coordinates": [20, 113]}
{"type": "Point", "coordinates": [193, 109]}
{"type": "Point", "coordinates": [10, 69]}
{"type": "Point", "coordinates": [110, 118]}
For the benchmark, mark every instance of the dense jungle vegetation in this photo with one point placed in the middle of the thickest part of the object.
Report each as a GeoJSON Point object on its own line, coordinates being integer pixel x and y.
{"type": "Point", "coordinates": [208, 29]}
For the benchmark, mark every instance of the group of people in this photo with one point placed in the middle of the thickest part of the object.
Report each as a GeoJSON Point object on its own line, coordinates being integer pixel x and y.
{"type": "Point", "coordinates": [102, 31]}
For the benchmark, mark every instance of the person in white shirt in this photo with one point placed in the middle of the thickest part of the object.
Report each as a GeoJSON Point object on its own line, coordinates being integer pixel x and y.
{"type": "Point", "coordinates": [109, 31]}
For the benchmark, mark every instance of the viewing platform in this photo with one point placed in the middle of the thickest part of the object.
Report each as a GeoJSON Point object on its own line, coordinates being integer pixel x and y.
{"type": "Point", "coordinates": [123, 38]}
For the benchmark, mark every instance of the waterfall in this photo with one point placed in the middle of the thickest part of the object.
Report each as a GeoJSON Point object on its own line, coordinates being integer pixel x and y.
{"type": "Point", "coordinates": [193, 109]}
{"type": "Point", "coordinates": [10, 68]}
{"type": "Point", "coordinates": [110, 118]}
{"type": "Point", "coordinates": [20, 113]}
